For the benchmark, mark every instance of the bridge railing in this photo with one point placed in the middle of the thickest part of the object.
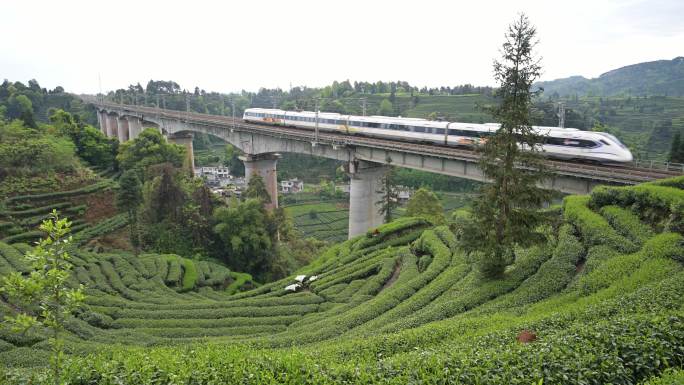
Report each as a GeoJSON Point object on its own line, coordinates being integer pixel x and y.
{"type": "Point", "coordinates": [656, 165]}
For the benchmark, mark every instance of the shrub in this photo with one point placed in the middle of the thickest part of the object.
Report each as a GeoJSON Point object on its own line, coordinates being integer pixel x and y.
{"type": "Point", "coordinates": [189, 275]}
{"type": "Point", "coordinates": [595, 229]}
{"type": "Point", "coordinates": [627, 224]}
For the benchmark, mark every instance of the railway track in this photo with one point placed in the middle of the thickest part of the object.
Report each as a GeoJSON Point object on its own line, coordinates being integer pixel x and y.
{"type": "Point", "coordinates": [629, 174]}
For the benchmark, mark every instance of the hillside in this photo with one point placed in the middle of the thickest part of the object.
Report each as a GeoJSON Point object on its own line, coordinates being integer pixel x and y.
{"type": "Point", "coordinates": [600, 302]}
{"type": "Point", "coordinates": [660, 77]}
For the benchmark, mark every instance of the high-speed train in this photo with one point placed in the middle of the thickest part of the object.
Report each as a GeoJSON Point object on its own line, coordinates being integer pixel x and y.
{"type": "Point", "coordinates": [560, 143]}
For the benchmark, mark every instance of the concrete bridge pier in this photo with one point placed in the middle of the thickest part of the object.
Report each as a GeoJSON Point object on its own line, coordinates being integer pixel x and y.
{"type": "Point", "coordinates": [265, 166]}
{"type": "Point", "coordinates": [185, 140]}
{"type": "Point", "coordinates": [364, 213]}
{"type": "Point", "coordinates": [112, 128]}
{"type": "Point", "coordinates": [101, 121]}
{"type": "Point", "coordinates": [134, 127]}
{"type": "Point", "coordinates": [122, 128]}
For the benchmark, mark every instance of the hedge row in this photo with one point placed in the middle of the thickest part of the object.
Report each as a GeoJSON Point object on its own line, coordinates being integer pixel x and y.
{"type": "Point", "coordinates": [15, 258]}
{"type": "Point", "coordinates": [662, 246]}
{"type": "Point", "coordinates": [103, 227]}
{"type": "Point", "coordinates": [62, 194]}
{"type": "Point", "coordinates": [133, 323]}
{"type": "Point", "coordinates": [552, 277]}
{"type": "Point", "coordinates": [24, 237]}
{"type": "Point", "coordinates": [595, 230]}
{"type": "Point", "coordinates": [246, 311]}
{"type": "Point", "coordinates": [387, 299]}
{"type": "Point", "coordinates": [661, 206]}
{"type": "Point", "coordinates": [627, 224]}
{"type": "Point", "coordinates": [474, 290]}
{"type": "Point", "coordinates": [37, 210]}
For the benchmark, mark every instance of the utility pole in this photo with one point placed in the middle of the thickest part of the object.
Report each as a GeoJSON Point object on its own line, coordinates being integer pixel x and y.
{"type": "Point", "coordinates": [363, 104]}
{"type": "Point", "coordinates": [561, 115]}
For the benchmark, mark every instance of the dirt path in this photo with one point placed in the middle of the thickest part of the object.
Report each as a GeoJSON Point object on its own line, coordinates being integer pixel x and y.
{"type": "Point", "coordinates": [394, 277]}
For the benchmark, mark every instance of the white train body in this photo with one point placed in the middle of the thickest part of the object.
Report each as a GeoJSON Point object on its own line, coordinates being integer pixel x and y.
{"type": "Point", "coordinates": [560, 143]}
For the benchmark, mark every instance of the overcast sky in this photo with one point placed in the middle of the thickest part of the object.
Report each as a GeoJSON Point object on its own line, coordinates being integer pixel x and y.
{"type": "Point", "coordinates": [231, 45]}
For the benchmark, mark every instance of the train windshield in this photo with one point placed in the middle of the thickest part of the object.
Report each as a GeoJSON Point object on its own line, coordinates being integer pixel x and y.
{"type": "Point", "coordinates": [611, 136]}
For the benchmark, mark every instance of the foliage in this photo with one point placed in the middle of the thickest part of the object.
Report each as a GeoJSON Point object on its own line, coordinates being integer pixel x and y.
{"type": "Point", "coordinates": [149, 148]}
{"type": "Point", "coordinates": [128, 200]}
{"type": "Point", "coordinates": [256, 189]}
{"type": "Point", "coordinates": [45, 296]}
{"type": "Point", "coordinates": [28, 151]}
{"type": "Point", "coordinates": [424, 203]}
{"type": "Point", "coordinates": [389, 195]}
{"type": "Point", "coordinates": [242, 226]}
{"type": "Point", "coordinates": [676, 149]}
{"type": "Point", "coordinates": [386, 108]}
{"type": "Point", "coordinates": [506, 212]}
{"type": "Point", "coordinates": [91, 144]}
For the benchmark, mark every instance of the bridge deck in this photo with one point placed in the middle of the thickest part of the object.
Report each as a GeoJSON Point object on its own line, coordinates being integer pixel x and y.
{"type": "Point", "coordinates": [623, 174]}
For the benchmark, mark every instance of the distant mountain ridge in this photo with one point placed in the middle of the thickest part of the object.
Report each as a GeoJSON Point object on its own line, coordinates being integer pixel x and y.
{"type": "Point", "coordinates": [660, 77]}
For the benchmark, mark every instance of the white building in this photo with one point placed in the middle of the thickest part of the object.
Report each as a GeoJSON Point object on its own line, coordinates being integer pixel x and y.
{"type": "Point", "coordinates": [291, 186]}
{"type": "Point", "coordinates": [213, 172]}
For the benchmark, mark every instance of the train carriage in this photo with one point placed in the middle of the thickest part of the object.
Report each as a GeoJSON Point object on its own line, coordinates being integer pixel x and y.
{"type": "Point", "coordinates": [560, 143]}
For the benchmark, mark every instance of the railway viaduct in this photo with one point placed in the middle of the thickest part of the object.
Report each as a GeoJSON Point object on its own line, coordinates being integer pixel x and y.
{"type": "Point", "coordinates": [367, 158]}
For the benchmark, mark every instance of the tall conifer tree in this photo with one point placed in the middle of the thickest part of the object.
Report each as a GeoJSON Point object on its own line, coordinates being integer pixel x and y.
{"type": "Point", "coordinates": [506, 212]}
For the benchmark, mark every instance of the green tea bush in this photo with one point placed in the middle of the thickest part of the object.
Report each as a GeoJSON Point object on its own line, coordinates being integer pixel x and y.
{"type": "Point", "coordinates": [594, 228]}
{"type": "Point", "coordinates": [662, 246]}
{"type": "Point", "coordinates": [627, 224]}
{"type": "Point", "coordinates": [668, 377]}
{"type": "Point", "coordinates": [27, 236]}
{"type": "Point", "coordinates": [37, 210]}
{"type": "Point", "coordinates": [661, 206]}
{"type": "Point", "coordinates": [61, 194]}
{"type": "Point", "coordinates": [15, 258]}
{"type": "Point", "coordinates": [103, 227]}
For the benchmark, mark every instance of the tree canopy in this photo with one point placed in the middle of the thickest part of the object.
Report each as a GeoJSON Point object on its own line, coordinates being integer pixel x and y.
{"type": "Point", "coordinates": [424, 203]}
{"type": "Point", "coordinates": [506, 212]}
{"type": "Point", "coordinates": [149, 148]}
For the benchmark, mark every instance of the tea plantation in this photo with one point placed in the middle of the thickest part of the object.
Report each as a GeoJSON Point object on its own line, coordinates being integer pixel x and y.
{"type": "Point", "coordinates": [602, 301]}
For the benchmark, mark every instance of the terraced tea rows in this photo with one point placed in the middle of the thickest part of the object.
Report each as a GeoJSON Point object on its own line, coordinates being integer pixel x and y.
{"type": "Point", "coordinates": [601, 300]}
{"type": "Point", "coordinates": [23, 214]}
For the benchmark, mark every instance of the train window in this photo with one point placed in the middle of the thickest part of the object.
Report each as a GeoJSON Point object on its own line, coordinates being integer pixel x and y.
{"type": "Point", "coordinates": [604, 142]}
{"type": "Point", "coordinates": [439, 131]}
{"type": "Point", "coordinates": [374, 125]}
{"type": "Point", "coordinates": [358, 124]}
{"type": "Point", "coordinates": [570, 142]}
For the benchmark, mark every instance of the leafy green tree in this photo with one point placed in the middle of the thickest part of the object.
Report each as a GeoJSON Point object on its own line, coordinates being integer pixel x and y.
{"type": "Point", "coordinates": [424, 203]}
{"type": "Point", "coordinates": [23, 105]}
{"type": "Point", "coordinates": [149, 148]}
{"type": "Point", "coordinates": [506, 212]}
{"type": "Point", "coordinates": [677, 149]}
{"type": "Point", "coordinates": [242, 226]}
{"type": "Point", "coordinates": [129, 200]}
{"type": "Point", "coordinates": [386, 108]}
{"type": "Point", "coordinates": [91, 144]}
{"type": "Point", "coordinates": [233, 162]}
{"type": "Point", "coordinates": [389, 195]}
{"type": "Point", "coordinates": [26, 151]}
{"type": "Point", "coordinates": [45, 298]}
{"type": "Point", "coordinates": [256, 189]}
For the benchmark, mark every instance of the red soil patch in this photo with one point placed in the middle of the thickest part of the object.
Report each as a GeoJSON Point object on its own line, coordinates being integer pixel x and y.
{"type": "Point", "coordinates": [101, 205]}
{"type": "Point", "coordinates": [526, 336]}
{"type": "Point", "coordinates": [118, 239]}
